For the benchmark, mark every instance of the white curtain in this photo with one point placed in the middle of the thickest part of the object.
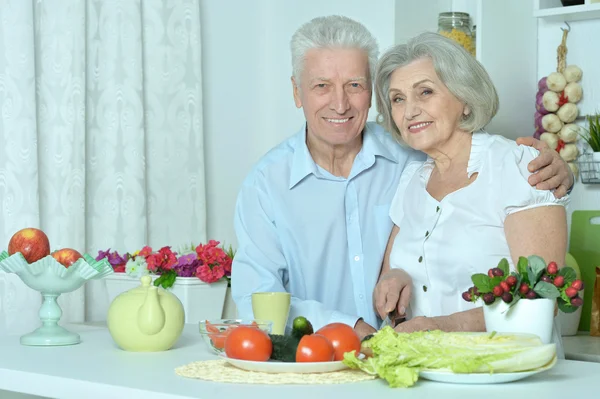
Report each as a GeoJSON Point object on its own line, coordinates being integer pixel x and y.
{"type": "Point", "coordinates": [101, 140]}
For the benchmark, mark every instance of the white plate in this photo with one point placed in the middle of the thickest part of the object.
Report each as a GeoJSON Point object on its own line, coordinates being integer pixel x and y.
{"type": "Point", "coordinates": [286, 367]}
{"type": "Point", "coordinates": [481, 378]}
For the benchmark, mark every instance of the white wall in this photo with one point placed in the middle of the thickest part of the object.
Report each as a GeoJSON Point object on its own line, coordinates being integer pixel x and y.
{"type": "Point", "coordinates": [508, 33]}
{"type": "Point", "coordinates": [248, 104]}
{"type": "Point", "coordinates": [582, 45]}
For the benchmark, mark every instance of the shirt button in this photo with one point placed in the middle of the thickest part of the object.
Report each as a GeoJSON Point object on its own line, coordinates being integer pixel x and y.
{"type": "Point", "coordinates": [426, 234]}
{"type": "Point", "coordinates": [420, 259]}
{"type": "Point", "coordinates": [360, 296]}
{"type": "Point", "coordinates": [437, 209]}
{"type": "Point", "coordinates": [357, 258]}
{"type": "Point", "coordinates": [424, 288]}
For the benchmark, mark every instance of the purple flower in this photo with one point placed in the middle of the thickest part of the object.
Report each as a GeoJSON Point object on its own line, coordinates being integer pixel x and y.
{"type": "Point", "coordinates": [186, 265]}
{"type": "Point", "coordinates": [102, 254]}
{"type": "Point", "coordinates": [115, 259]}
{"type": "Point", "coordinates": [186, 260]}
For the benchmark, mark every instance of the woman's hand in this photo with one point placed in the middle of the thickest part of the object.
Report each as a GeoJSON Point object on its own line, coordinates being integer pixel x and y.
{"type": "Point", "coordinates": [392, 291]}
{"type": "Point", "coordinates": [550, 171]}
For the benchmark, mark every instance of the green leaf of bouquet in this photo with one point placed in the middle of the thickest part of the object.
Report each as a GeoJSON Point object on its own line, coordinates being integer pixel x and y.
{"type": "Point", "coordinates": [158, 282]}
{"type": "Point", "coordinates": [482, 282]}
{"type": "Point", "coordinates": [536, 268]}
{"type": "Point", "coordinates": [568, 273]}
{"type": "Point", "coordinates": [495, 281]}
{"type": "Point", "coordinates": [166, 280]}
{"type": "Point", "coordinates": [519, 281]}
{"type": "Point", "coordinates": [546, 290]}
{"type": "Point", "coordinates": [565, 306]}
{"type": "Point", "coordinates": [522, 267]}
{"type": "Point", "coordinates": [504, 266]}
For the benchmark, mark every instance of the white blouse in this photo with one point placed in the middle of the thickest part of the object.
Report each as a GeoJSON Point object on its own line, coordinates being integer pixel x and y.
{"type": "Point", "coordinates": [442, 243]}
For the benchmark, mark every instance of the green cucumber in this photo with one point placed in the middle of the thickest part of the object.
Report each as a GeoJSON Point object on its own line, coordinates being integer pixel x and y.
{"type": "Point", "coordinates": [284, 347]}
{"type": "Point", "coordinates": [301, 327]}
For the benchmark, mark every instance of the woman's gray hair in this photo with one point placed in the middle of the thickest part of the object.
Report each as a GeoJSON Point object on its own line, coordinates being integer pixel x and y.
{"type": "Point", "coordinates": [462, 74]}
{"type": "Point", "coordinates": [334, 31]}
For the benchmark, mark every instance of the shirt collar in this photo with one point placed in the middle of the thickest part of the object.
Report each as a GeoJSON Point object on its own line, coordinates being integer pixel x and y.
{"type": "Point", "coordinates": [303, 163]}
{"type": "Point", "coordinates": [372, 146]}
{"type": "Point", "coordinates": [480, 141]}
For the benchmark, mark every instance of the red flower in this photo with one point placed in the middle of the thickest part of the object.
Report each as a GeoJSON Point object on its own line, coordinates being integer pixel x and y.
{"type": "Point", "coordinates": [162, 261]}
{"type": "Point", "coordinates": [227, 266]}
{"type": "Point", "coordinates": [145, 251]}
{"type": "Point", "coordinates": [208, 275]}
{"type": "Point", "coordinates": [119, 269]}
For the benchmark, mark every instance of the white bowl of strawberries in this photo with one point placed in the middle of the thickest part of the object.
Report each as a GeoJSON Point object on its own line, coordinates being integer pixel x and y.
{"type": "Point", "coordinates": [525, 300]}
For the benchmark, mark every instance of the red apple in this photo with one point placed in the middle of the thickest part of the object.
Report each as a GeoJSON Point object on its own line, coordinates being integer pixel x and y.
{"type": "Point", "coordinates": [66, 256]}
{"type": "Point", "coordinates": [31, 242]}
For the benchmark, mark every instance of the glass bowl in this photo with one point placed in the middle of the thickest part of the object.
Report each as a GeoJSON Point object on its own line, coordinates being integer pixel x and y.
{"type": "Point", "coordinates": [215, 331]}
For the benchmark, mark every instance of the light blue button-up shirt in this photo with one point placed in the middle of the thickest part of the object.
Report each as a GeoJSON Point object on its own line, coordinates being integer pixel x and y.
{"type": "Point", "coordinates": [318, 236]}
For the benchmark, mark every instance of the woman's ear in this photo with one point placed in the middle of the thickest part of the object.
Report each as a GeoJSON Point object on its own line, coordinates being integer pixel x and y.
{"type": "Point", "coordinates": [466, 111]}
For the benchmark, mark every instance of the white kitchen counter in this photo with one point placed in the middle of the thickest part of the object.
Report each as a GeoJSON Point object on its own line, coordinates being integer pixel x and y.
{"type": "Point", "coordinates": [582, 347]}
{"type": "Point", "coordinates": [96, 368]}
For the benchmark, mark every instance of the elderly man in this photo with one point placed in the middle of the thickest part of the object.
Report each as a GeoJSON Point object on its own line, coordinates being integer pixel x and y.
{"type": "Point", "coordinates": [312, 217]}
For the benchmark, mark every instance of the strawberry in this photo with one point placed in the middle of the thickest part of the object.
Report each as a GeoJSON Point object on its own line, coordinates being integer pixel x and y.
{"type": "Point", "coordinates": [571, 292]}
{"type": "Point", "coordinates": [524, 288]}
{"type": "Point", "coordinates": [467, 296]}
{"type": "Point", "coordinates": [489, 298]}
{"type": "Point", "coordinates": [576, 301]}
{"type": "Point", "coordinates": [559, 281]}
{"type": "Point", "coordinates": [491, 273]}
{"type": "Point", "coordinates": [507, 297]}
{"type": "Point", "coordinates": [577, 284]}
{"type": "Point", "coordinates": [546, 278]}
{"type": "Point", "coordinates": [505, 286]}
{"type": "Point", "coordinates": [498, 291]}
{"type": "Point", "coordinates": [511, 281]}
{"type": "Point", "coordinates": [531, 294]}
{"type": "Point", "coordinates": [497, 272]}
{"type": "Point", "coordinates": [552, 268]}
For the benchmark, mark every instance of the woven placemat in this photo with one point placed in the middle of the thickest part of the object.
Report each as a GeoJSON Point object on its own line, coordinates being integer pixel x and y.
{"type": "Point", "coordinates": [221, 371]}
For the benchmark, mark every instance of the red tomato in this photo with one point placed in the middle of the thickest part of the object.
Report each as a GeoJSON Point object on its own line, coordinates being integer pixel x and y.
{"type": "Point", "coordinates": [314, 348]}
{"type": "Point", "coordinates": [343, 338]}
{"type": "Point", "coordinates": [248, 343]}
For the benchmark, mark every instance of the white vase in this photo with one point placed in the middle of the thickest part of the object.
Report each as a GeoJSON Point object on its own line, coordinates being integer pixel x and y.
{"type": "Point", "coordinates": [201, 301]}
{"type": "Point", "coordinates": [532, 316]}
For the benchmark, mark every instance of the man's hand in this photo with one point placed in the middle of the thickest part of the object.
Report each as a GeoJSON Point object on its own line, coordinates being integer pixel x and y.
{"type": "Point", "coordinates": [552, 172]}
{"type": "Point", "coordinates": [418, 324]}
{"type": "Point", "coordinates": [363, 329]}
{"type": "Point", "coordinates": [393, 290]}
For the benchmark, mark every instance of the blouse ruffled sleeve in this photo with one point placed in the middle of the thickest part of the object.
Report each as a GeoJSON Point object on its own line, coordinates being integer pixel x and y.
{"type": "Point", "coordinates": [518, 193]}
{"type": "Point", "coordinates": [397, 207]}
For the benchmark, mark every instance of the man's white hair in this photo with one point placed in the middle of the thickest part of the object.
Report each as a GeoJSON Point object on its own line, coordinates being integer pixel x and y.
{"type": "Point", "coordinates": [331, 32]}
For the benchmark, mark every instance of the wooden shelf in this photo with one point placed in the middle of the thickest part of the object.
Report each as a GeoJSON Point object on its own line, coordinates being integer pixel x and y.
{"type": "Point", "coordinates": [570, 13]}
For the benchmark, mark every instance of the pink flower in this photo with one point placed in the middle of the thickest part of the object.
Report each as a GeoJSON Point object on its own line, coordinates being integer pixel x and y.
{"type": "Point", "coordinates": [227, 266]}
{"type": "Point", "coordinates": [162, 261]}
{"type": "Point", "coordinates": [208, 275]}
{"type": "Point", "coordinates": [153, 262]}
{"type": "Point", "coordinates": [145, 251]}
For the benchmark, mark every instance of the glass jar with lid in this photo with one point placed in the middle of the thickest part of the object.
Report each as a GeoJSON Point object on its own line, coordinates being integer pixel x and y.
{"type": "Point", "coordinates": [457, 26]}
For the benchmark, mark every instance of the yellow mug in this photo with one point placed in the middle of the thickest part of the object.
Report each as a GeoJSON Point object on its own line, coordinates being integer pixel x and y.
{"type": "Point", "coordinates": [273, 306]}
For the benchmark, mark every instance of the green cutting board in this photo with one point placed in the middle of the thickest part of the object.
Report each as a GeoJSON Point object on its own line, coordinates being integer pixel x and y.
{"type": "Point", "coordinates": [584, 245]}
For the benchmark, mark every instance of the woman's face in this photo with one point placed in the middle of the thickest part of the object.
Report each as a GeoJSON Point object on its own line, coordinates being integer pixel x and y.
{"type": "Point", "coordinates": [426, 113]}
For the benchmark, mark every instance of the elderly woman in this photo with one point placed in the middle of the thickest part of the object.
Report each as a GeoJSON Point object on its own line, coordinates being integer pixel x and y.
{"type": "Point", "coordinates": [469, 204]}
